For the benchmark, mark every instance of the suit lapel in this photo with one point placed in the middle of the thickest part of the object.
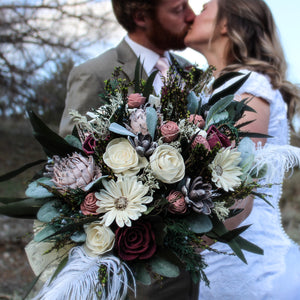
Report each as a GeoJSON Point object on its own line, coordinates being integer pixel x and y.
{"type": "Point", "coordinates": [128, 59]}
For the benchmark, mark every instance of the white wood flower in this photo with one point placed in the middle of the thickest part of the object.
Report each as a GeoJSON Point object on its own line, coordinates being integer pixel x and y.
{"type": "Point", "coordinates": [225, 169]}
{"type": "Point", "coordinates": [122, 200]}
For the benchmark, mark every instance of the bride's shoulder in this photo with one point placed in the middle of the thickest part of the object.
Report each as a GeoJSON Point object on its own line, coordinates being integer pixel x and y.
{"type": "Point", "coordinates": [258, 85]}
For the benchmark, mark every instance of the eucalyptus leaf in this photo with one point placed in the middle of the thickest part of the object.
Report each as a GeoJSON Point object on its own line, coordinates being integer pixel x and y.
{"type": "Point", "coordinates": [142, 275]}
{"type": "Point", "coordinates": [116, 128]}
{"type": "Point", "coordinates": [35, 190]}
{"type": "Point", "coordinates": [193, 102]}
{"type": "Point", "coordinates": [78, 237]}
{"type": "Point", "coordinates": [218, 118]}
{"type": "Point", "coordinates": [246, 164]}
{"type": "Point", "coordinates": [48, 212]}
{"type": "Point", "coordinates": [44, 234]}
{"type": "Point", "coordinates": [151, 115]}
{"type": "Point", "coordinates": [199, 223]}
{"type": "Point", "coordinates": [164, 267]}
{"type": "Point", "coordinates": [217, 108]}
{"type": "Point", "coordinates": [94, 184]}
{"type": "Point", "coordinates": [74, 141]}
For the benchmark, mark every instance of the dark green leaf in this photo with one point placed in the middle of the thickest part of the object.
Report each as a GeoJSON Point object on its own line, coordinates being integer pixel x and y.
{"type": "Point", "coordinates": [253, 134]}
{"type": "Point", "coordinates": [137, 88]}
{"type": "Point", "coordinates": [31, 286]}
{"type": "Point", "coordinates": [52, 143]}
{"type": "Point", "coordinates": [229, 90]}
{"type": "Point", "coordinates": [230, 235]}
{"type": "Point", "coordinates": [248, 246]}
{"type": "Point", "coordinates": [262, 197]}
{"type": "Point", "coordinates": [16, 172]}
{"type": "Point", "coordinates": [148, 89]}
{"type": "Point", "coordinates": [224, 78]}
{"type": "Point", "coordinates": [244, 124]}
{"type": "Point", "coordinates": [234, 212]}
{"type": "Point", "coordinates": [61, 265]}
{"type": "Point", "coordinates": [237, 250]}
{"type": "Point", "coordinates": [23, 208]}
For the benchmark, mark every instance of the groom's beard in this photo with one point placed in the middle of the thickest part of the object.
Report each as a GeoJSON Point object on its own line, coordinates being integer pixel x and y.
{"type": "Point", "coordinates": [166, 40]}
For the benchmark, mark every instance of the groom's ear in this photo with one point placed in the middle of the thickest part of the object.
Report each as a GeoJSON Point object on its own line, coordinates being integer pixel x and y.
{"type": "Point", "coordinates": [139, 18]}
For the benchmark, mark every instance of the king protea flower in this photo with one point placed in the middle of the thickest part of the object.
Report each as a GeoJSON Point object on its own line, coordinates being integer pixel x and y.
{"type": "Point", "coordinates": [225, 169]}
{"type": "Point", "coordinates": [74, 171]}
{"type": "Point", "coordinates": [122, 200]}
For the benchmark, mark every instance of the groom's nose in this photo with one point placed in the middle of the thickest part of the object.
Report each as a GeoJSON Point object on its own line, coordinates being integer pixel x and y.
{"type": "Point", "coordinates": [190, 15]}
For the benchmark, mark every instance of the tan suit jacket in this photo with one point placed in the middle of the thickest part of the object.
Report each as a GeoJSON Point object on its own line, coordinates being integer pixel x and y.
{"type": "Point", "coordinates": [86, 81]}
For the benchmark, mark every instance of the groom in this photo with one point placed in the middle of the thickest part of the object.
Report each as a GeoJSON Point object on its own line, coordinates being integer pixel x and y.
{"type": "Point", "coordinates": [153, 26]}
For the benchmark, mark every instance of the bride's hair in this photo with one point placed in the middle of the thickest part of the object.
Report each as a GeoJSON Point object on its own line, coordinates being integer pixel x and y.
{"type": "Point", "coordinates": [254, 44]}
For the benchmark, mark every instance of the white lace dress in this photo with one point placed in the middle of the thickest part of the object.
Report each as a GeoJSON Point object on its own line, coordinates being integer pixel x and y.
{"type": "Point", "coordinates": [276, 274]}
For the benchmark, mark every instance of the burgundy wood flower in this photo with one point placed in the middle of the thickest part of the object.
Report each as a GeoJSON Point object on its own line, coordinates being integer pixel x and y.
{"type": "Point", "coordinates": [135, 242]}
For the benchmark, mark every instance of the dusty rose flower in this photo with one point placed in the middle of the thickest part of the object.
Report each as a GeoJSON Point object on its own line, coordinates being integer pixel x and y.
{"type": "Point", "coordinates": [135, 100]}
{"type": "Point", "coordinates": [88, 206]}
{"type": "Point", "coordinates": [135, 242]}
{"type": "Point", "coordinates": [169, 131]}
{"type": "Point", "coordinates": [197, 120]}
{"type": "Point", "coordinates": [89, 145]}
{"type": "Point", "coordinates": [199, 139]}
{"type": "Point", "coordinates": [214, 136]}
{"type": "Point", "coordinates": [138, 122]}
{"type": "Point", "coordinates": [177, 203]}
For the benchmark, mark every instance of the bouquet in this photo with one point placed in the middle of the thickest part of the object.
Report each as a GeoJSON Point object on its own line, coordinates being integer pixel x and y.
{"type": "Point", "coordinates": [131, 194]}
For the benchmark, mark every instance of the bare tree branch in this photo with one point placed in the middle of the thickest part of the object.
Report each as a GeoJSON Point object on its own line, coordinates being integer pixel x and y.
{"type": "Point", "coordinates": [37, 34]}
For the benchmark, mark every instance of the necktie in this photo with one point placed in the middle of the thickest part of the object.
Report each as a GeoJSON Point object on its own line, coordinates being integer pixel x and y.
{"type": "Point", "coordinates": [163, 66]}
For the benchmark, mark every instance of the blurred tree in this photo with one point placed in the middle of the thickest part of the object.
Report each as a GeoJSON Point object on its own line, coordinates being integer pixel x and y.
{"type": "Point", "coordinates": [35, 34]}
{"type": "Point", "coordinates": [50, 93]}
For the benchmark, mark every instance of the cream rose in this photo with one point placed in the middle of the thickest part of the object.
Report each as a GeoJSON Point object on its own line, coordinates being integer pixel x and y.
{"type": "Point", "coordinates": [99, 239]}
{"type": "Point", "coordinates": [122, 158]}
{"type": "Point", "coordinates": [167, 164]}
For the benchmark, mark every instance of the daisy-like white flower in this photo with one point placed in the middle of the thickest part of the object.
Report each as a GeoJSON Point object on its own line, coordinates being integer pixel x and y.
{"type": "Point", "coordinates": [225, 169]}
{"type": "Point", "coordinates": [122, 200]}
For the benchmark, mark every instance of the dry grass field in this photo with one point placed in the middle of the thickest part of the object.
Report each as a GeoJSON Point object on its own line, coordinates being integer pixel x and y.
{"type": "Point", "coordinates": [18, 147]}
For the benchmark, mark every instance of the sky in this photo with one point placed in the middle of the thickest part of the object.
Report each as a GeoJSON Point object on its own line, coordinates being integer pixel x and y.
{"type": "Point", "coordinates": [286, 15]}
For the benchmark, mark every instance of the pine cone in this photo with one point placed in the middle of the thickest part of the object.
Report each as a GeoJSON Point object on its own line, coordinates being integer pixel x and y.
{"type": "Point", "coordinates": [198, 195]}
{"type": "Point", "coordinates": [75, 171]}
{"type": "Point", "coordinates": [143, 144]}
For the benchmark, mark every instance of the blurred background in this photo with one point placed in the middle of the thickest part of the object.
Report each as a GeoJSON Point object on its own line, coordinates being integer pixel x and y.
{"type": "Point", "coordinates": [40, 41]}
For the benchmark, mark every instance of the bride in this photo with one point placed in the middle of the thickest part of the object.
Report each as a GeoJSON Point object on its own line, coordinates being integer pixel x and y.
{"type": "Point", "coordinates": [240, 35]}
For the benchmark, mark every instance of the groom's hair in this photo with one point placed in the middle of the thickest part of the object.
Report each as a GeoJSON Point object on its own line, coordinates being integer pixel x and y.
{"type": "Point", "coordinates": [124, 11]}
